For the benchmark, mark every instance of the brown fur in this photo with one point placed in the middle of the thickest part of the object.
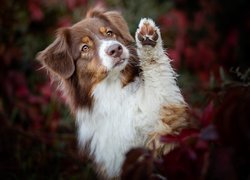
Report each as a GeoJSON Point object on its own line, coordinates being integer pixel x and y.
{"type": "Point", "coordinates": [79, 71]}
{"type": "Point", "coordinates": [57, 51]}
{"type": "Point", "coordinates": [175, 116]}
{"type": "Point", "coordinates": [174, 119]}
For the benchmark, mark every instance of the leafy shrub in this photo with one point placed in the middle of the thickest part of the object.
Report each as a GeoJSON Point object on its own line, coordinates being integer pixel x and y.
{"type": "Point", "coordinates": [207, 42]}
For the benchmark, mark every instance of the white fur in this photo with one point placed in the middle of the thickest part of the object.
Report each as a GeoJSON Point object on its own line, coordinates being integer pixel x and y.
{"type": "Point", "coordinates": [107, 61]}
{"type": "Point", "coordinates": [122, 117]}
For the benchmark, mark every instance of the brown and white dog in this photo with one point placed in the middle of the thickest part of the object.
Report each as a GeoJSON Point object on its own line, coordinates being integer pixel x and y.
{"type": "Point", "coordinates": [123, 94]}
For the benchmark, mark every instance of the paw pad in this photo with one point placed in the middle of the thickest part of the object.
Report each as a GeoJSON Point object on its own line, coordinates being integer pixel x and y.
{"type": "Point", "coordinates": [147, 34]}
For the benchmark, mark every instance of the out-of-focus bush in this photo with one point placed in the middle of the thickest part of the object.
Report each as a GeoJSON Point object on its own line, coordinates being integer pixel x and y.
{"type": "Point", "coordinates": [208, 43]}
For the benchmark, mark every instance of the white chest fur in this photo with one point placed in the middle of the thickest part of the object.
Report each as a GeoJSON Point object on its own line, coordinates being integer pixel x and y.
{"type": "Point", "coordinates": [110, 127]}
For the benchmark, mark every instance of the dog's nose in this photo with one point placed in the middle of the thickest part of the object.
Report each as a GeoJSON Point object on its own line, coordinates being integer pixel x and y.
{"type": "Point", "coordinates": [114, 50]}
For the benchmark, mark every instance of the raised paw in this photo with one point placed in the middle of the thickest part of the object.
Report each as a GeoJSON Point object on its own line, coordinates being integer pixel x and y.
{"type": "Point", "coordinates": [147, 33]}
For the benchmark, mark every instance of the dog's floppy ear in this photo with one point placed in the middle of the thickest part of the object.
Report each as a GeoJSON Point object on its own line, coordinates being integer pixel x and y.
{"type": "Point", "coordinates": [116, 19]}
{"type": "Point", "coordinates": [57, 56]}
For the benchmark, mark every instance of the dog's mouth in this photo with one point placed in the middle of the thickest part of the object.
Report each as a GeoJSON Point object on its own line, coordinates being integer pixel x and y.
{"type": "Point", "coordinates": [119, 62]}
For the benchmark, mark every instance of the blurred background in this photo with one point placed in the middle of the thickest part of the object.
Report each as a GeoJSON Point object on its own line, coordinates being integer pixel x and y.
{"type": "Point", "coordinates": [208, 41]}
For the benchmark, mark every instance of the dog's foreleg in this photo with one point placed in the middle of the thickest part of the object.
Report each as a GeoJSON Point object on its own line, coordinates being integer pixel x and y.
{"type": "Point", "coordinates": [157, 73]}
{"type": "Point", "coordinates": [161, 95]}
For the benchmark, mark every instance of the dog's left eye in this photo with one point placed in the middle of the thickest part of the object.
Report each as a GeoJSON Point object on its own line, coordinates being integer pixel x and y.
{"type": "Point", "coordinates": [109, 33]}
{"type": "Point", "coordinates": [85, 48]}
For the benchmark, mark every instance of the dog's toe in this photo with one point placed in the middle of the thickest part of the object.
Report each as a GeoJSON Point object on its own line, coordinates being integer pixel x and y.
{"type": "Point", "coordinates": [147, 33]}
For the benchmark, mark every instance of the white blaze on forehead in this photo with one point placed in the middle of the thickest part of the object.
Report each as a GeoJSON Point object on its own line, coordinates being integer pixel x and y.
{"type": "Point", "coordinates": [107, 60]}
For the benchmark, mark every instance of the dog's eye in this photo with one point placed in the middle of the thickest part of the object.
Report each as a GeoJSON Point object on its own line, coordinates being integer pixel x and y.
{"type": "Point", "coordinates": [85, 48]}
{"type": "Point", "coordinates": [109, 33]}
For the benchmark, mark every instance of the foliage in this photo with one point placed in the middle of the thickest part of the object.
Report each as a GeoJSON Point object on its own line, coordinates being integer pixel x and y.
{"type": "Point", "coordinates": [207, 42]}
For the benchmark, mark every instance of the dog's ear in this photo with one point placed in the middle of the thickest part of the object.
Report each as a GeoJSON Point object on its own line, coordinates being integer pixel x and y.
{"type": "Point", "coordinates": [116, 19]}
{"type": "Point", "coordinates": [96, 11]}
{"type": "Point", "coordinates": [57, 56]}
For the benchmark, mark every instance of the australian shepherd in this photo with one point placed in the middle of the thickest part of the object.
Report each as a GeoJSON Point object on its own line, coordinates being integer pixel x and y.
{"type": "Point", "coordinates": [122, 91]}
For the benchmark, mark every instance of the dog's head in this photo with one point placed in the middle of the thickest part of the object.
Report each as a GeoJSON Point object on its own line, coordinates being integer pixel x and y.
{"type": "Point", "coordinates": [93, 49]}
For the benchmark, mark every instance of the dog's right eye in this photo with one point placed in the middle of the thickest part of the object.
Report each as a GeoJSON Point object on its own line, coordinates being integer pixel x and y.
{"type": "Point", "coordinates": [109, 33]}
{"type": "Point", "coordinates": [85, 48]}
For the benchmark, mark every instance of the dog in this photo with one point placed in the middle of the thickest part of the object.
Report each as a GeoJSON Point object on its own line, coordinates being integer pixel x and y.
{"type": "Point", "coordinates": [122, 91]}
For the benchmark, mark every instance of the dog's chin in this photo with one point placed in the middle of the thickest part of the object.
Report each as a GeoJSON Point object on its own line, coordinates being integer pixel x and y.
{"type": "Point", "coordinates": [120, 65]}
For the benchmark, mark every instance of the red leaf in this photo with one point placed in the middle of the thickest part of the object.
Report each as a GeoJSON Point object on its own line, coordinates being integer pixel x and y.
{"type": "Point", "coordinates": [46, 90]}
{"type": "Point", "coordinates": [209, 133]}
{"type": "Point", "coordinates": [71, 4]}
{"type": "Point", "coordinates": [207, 115]}
{"type": "Point", "coordinates": [201, 145]}
{"type": "Point", "coordinates": [22, 91]}
{"type": "Point", "coordinates": [182, 136]}
{"type": "Point", "coordinates": [36, 99]}
{"type": "Point", "coordinates": [175, 56]}
{"type": "Point", "coordinates": [35, 10]}
{"type": "Point", "coordinates": [64, 22]}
